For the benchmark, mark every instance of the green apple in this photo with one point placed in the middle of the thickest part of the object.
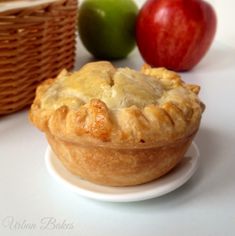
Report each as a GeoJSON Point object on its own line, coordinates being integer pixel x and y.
{"type": "Point", "coordinates": [106, 27]}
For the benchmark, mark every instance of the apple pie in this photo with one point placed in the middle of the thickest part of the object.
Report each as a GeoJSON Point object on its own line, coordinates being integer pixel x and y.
{"type": "Point", "coordinates": [117, 126]}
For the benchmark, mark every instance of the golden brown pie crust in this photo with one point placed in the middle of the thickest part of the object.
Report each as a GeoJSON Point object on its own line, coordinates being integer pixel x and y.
{"type": "Point", "coordinates": [118, 166]}
{"type": "Point", "coordinates": [116, 137]}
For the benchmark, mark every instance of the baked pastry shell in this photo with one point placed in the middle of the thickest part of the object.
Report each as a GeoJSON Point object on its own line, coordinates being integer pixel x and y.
{"type": "Point", "coordinates": [118, 143]}
{"type": "Point", "coordinates": [119, 166]}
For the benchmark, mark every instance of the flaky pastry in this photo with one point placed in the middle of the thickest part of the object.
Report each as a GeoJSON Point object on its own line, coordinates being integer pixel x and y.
{"type": "Point", "coordinates": [118, 126]}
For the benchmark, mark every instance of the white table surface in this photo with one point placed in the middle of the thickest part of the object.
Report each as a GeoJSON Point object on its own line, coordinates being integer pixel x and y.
{"type": "Point", "coordinates": [204, 206]}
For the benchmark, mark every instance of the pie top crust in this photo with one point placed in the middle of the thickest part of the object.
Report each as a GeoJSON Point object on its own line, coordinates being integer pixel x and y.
{"type": "Point", "coordinates": [117, 107]}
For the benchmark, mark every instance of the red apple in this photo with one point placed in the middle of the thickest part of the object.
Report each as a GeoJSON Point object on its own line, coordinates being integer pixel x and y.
{"type": "Point", "coordinates": [175, 34]}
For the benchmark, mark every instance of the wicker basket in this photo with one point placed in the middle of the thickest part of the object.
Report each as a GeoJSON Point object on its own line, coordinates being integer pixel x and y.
{"type": "Point", "coordinates": [36, 42]}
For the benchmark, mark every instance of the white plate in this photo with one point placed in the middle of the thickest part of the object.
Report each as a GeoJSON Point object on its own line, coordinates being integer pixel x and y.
{"type": "Point", "coordinates": [177, 177]}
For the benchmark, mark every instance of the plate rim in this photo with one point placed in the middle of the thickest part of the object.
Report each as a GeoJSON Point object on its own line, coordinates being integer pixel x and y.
{"type": "Point", "coordinates": [125, 197]}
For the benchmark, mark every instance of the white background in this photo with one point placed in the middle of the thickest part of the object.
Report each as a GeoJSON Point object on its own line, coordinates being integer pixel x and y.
{"type": "Point", "coordinates": [204, 206]}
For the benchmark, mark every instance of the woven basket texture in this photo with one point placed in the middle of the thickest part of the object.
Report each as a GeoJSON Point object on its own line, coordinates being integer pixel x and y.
{"type": "Point", "coordinates": [36, 43]}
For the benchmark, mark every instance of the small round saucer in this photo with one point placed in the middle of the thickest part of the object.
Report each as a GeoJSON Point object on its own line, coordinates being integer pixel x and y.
{"type": "Point", "coordinates": [174, 179]}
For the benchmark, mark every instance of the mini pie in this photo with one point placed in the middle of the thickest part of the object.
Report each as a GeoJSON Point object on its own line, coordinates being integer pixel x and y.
{"type": "Point", "coordinates": [117, 126]}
